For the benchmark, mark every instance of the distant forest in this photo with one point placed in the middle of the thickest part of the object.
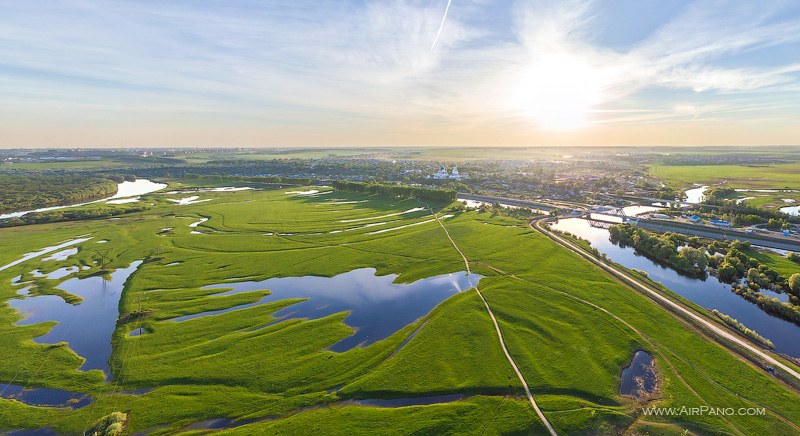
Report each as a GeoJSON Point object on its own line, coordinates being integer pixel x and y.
{"type": "Point", "coordinates": [397, 190]}
{"type": "Point", "coordinates": [26, 192]}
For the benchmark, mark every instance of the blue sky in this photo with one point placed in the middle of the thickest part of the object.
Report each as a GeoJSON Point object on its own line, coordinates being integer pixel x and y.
{"type": "Point", "coordinates": [301, 73]}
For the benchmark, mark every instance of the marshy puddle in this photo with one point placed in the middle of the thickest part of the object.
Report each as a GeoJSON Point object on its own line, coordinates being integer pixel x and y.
{"type": "Point", "coordinates": [57, 274]}
{"type": "Point", "coordinates": [378, 307]}
{"type": "Point", "coordinates": [226, 423]}
{"type": "Point", "coordinates": [639, 379]}
{"type": "Point", "coordinates": [197, 223]}
{"type": "Point", "coordinates": [407, 225]}
{"type": "Point", "coordinates": [405, 402]}
{"type": "Point", "coordinates": [412, 210]}
{"type": "Point", "coordinates": [218, 424]}
{"type": "Point", "coordinates": [194, 199]}
{"type": "Point", "coordinates": [43, 251]}
{"type": "Point", "coordinates": [87, 327]}
{"type": "Point", "coordinates": [44, 396]}
{"type": "Point", "coordinates": [62, 255]}
{"type": "Point", "coordinates": [791, 210]}
{"type": "Point", "coordinates": [310, 192]}
{"type": "Point", "coordinates": [138, 332]}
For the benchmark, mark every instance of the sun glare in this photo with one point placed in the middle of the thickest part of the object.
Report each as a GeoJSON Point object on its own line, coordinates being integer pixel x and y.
{"type": "Point", "coordinates": [557, 91]}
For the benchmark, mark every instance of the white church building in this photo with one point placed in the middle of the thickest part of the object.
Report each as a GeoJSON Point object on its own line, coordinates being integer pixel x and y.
{"type": "Point", "coordinates": [442, 174]}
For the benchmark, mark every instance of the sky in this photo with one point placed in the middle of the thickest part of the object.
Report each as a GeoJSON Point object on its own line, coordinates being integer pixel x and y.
{"type": "Point", "coordinates": [183, 73]}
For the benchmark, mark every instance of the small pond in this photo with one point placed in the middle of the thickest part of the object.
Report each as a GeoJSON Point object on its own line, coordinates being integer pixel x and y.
{"type": "Point", "coordinates": [405, 402]}
{"type": "Point", "coordinates": [639, 379]}
{"type": "Point", "coordinates": [44, 396]}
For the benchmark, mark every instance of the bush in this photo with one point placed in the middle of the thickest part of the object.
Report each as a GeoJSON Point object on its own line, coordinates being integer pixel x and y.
{"type": "Point", "coordinates": [726, 272]}
{"type": "Point", "coordinates": [794, 284]}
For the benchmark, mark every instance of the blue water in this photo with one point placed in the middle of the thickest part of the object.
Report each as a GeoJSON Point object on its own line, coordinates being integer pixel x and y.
{"type": "Point", "coordinates": [378, 307]}
{"type": "Point", "coordinates": [44, 397]}
{"type": "Point", "coordinates": [639, 378]}
{"type": "Point", "coordinates": [88, 326]}
{"type": "Point", "coordinates": [709, 293]}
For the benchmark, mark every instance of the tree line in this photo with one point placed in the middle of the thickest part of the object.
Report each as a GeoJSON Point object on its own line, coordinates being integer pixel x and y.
{"type": "Point", "coordinates": [443, 195]}
{"type": "Point", "coordinates": [26, 192]}
{"type": "Point", "coordinates": [60, 215]}
{"type": "Point", "coordinates": [725, 259]}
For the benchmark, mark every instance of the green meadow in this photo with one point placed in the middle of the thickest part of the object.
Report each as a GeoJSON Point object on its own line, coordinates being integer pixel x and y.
{"type": "Point", "coordinates": [760, 176]}
{"type": "Point", "coordinates": [570, 328]}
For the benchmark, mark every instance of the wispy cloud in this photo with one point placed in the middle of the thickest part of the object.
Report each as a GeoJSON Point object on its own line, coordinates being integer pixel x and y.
{"type": "Point", "coordinates": [395, 68]}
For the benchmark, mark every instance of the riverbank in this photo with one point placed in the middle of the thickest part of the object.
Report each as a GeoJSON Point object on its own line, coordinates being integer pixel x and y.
{"type": "Point", "coordinates": [699, 320]}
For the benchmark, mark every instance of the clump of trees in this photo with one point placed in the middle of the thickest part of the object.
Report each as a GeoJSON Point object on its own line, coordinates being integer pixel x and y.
{"type": "Point", "coordinates": [662, 249]}
{"type": "Point", "coordinates": [25, 192]}
{"type": "Point", "coordinates": [794, 284]}
{"type": "Point", "coordinates": [752, 334]}
{"type": "Point", "coordinates": [778, 223]}
{"type": "Point", "coordinates": [109, 425]}
{"type": "Point", "coordinates": [443, 195]}
{"type": "Point", "coordinates": [794, 257]}
{"type": "Point", "coordinates": [787, 311]}
{"type": "Point", "coordinates": [70, 215]}
{"type": "Point", "coordinates": [737, 265]}
{"type": "Point", "coordinates": [728, 260]}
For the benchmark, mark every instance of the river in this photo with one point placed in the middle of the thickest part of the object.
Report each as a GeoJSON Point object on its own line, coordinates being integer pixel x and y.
{"type": "Point", "coordinates": [126, 193]}
{"type": "Point", "coordinates": [709, 293]}
{"type": "Point", "coordinates": [696, 195]}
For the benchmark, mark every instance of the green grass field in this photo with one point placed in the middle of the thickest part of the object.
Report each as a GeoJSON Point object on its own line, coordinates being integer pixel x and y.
{"type": "Point", "coordinates": [570, 328]}
{"type": "Point", "coordinates": [779, 176]}
{"type": "Point", "coordinates": [64, 165]}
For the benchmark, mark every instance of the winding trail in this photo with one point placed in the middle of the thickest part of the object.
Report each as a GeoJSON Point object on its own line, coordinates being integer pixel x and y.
{"type": "Point", "coordinates": [664, 301]}
{"type": "Point", "coordinates": [499, 333]}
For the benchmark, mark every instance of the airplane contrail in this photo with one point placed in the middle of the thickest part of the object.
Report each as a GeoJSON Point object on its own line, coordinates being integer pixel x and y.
{"type": "Point", "coordinates": [441, 25]}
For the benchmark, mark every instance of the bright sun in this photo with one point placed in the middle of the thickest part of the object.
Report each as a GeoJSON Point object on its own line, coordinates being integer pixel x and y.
{"type": "Point", "coordinates": [557, 91]}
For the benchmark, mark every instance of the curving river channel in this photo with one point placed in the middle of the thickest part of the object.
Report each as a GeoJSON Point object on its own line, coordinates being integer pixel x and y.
{"type": "Point", "coordinates": [127, 192]}
{"type": "Point", "coordinates": [709, 293]}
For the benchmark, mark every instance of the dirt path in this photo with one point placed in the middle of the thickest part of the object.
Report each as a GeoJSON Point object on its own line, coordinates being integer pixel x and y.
{"type": "Point", "coordinates": [499, 333]}
{"type": "Point", "coordinates": [667, 302]}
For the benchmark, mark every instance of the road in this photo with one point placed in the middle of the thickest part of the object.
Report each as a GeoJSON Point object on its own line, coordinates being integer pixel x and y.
{"type": "Point", "coordinates": [499, 333]}
{"type": "Point", "coordinates": [782, 243]}
{"type": "Point", "coordinates": [664, 301]}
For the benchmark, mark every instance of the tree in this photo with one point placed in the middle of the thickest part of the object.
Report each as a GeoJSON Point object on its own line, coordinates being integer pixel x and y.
{"type": "Point", "coordinates": [794, 283]}
{"type": "Point", "coordinates": [726, 272]}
